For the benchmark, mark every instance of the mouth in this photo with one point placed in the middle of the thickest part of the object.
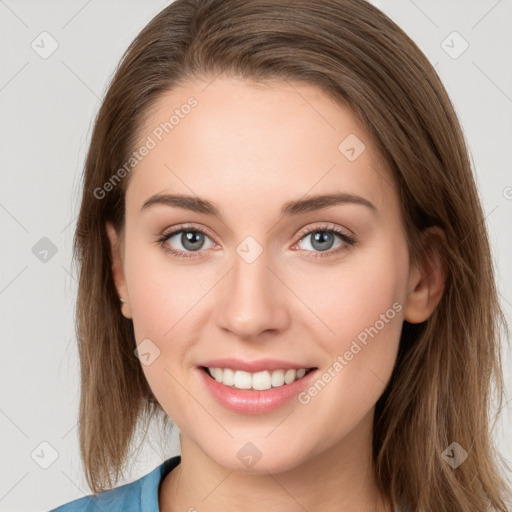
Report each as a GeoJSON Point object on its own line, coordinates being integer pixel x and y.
{"type": "Point", "coordinates": [256, 381]}
{"type": "Point", "coordinates": [257, 386]}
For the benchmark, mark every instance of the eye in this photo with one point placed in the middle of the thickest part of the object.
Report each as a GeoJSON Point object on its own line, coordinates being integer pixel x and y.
{"type": "Point", "coordinates": [192, 240]}
{"type": "Point", "coordinates": [322, 239]}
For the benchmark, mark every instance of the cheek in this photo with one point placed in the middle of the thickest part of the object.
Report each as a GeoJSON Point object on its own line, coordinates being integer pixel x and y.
{"type": "Point", "coordinates": [166, 302]}
{"type": "Point", "coordinates": [352, 296]}
{"type": "Point", "coordinates": [366, 316]}
{"type": "Point", "coordinates": [362, 304]}
{"type": "Point", "coordinates": [162, 293]}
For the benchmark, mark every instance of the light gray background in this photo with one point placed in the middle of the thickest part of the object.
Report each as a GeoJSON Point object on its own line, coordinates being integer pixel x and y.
{"type": "Point", "coordinates": [47, 109]}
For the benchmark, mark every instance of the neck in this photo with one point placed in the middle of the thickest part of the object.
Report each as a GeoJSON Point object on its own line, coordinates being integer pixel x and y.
{"type": "Point", "coordinates": [339, 478]}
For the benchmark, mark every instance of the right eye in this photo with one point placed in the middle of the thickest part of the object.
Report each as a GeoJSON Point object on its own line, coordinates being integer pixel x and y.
{"type": "Point", "coordinates": [191, 240]}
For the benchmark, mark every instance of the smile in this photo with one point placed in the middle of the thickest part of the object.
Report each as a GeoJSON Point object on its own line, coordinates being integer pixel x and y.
{"type": "Point", "coordinates": [258, 381]}
{"type": "Point", "coordinates": [255, 386]}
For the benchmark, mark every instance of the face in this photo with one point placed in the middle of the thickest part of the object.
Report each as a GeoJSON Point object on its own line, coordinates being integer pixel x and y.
{"type": "Point", "coordinates": [239, 277]}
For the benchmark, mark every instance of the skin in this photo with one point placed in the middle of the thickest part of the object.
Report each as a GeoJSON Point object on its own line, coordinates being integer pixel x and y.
{"type": "Point", "coordinates": [250, 148]}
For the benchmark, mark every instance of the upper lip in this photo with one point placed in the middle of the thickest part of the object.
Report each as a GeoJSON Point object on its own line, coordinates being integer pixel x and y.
{"type": "Point", "coordinates": [254, 366]}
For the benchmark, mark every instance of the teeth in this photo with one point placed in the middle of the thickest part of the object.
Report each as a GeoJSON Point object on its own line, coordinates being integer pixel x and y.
{"type": "Point", "coordinates": [259, 381]}
{"type": "Point", "coordinates": [289, 376]}
{"type": "Point", "coordinates": [217, 374]}
{"type": "Point", "coordinates": [277, 378]}
{"type": "Point", "coordinates": [228, 377]}
{"type": "Point", "coordinates": [242, 380]}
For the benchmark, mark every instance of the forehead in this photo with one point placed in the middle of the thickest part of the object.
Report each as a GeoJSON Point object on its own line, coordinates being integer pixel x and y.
{"type": "Point", "coordinates": [254, 141]}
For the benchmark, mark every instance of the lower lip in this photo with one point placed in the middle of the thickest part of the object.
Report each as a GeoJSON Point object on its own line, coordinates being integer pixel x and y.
{"type": "Point", "coordinates": [245, 401]}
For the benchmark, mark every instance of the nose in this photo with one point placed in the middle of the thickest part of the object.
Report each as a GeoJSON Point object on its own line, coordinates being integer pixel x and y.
{"type": "Point", "coordinates": [252, 300]}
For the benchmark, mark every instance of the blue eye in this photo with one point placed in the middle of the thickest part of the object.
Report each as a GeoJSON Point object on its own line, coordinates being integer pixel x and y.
{"type": "Point", "coordinates": [193, 239]}
{"type": "Point", "coordinates": [323, 240]}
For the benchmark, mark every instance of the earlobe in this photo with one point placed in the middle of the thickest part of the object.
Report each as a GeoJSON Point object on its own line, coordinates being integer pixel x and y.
{"type": "Point", "coordinates": [118, 271]}
{"type": "Point", "coordinates": [427, 279]}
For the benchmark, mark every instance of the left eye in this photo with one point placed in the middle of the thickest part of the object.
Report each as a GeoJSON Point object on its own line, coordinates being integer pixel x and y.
{"type": "Point", "coordinates": [323, 240]}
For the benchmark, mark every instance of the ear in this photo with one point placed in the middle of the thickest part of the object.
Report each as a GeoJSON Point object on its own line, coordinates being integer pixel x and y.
{"type": "Point", "coordinates": [118, 270]}
{"type": "Point", "coordinates": [426, 279]}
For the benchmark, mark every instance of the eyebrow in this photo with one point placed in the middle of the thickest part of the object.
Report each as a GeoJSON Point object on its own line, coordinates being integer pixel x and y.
{"type": "Point", "coordinates": [200, 205]}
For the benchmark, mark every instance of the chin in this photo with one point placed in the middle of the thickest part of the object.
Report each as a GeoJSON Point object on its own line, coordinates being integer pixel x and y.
{"type": "Point", "coordinates": [248, 458]}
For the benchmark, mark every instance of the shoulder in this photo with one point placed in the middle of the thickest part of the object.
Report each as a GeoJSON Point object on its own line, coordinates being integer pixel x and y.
{"type": "Point", "coordinates": [124, 498]}
{"type": "Point", "coordinates": [142, 494]}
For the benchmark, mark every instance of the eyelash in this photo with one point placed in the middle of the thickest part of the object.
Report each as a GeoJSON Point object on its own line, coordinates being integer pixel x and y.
{"type": "Point", "coordinates": [348, 239]}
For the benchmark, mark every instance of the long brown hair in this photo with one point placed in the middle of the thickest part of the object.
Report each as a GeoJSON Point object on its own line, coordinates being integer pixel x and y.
{"type": "Point", "coordinates": [441, 388]}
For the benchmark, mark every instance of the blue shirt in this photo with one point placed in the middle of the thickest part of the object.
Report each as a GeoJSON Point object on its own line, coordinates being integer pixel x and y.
{"type": "Point", "coordinates": [138, 496]}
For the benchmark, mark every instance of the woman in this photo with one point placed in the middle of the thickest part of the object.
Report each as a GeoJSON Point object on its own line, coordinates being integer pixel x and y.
{"type": "Point", "coordinates": [281, 249]}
